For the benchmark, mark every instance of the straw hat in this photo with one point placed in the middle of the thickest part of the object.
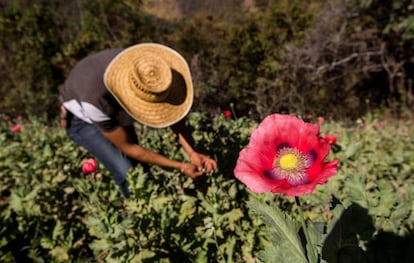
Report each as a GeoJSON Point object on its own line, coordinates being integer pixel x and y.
{"type": "Point", "coordinates": [152, 82]}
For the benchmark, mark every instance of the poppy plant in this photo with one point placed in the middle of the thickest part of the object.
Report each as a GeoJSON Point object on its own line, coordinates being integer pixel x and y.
{"type": "Point", "coordinates": [227, 113]}
{"type": "Point", "coordinates": [89, 166]}
{"type": "Point", "coordinates": [331, 139]}
{"type": "Point", "coordinates": [320, 119]}
{"type": "Point", "coordinates": [16, 128]}
{"type": "Point", "coordinates": [285, 155]}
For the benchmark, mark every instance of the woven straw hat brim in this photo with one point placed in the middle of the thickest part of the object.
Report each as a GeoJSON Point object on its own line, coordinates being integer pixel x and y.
{"type": "Point", "coordinates": [154, 114]}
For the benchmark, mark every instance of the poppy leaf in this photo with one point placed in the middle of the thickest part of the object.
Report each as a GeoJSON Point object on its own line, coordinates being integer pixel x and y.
{"type": "Point", "coordinates": [289, 246]}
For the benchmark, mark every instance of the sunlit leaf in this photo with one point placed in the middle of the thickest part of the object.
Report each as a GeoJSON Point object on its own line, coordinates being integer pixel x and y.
{"type": "Point", "coordinates": [60, 254]}
{"type": "Point", "coordinates": [187, 210]}
{"type": "Point", "coordinates": [16, 202]}
{"type": "Point", "coordinates": [46, 242]}
{"type": "Point", "coordinates": [100, 244]}
{"type": "Point", "coordinates": [143, 256]}
{"type": "Point", "coordinates": [58, 230]}
{"type": "Point", "coordinates": [69, 190]}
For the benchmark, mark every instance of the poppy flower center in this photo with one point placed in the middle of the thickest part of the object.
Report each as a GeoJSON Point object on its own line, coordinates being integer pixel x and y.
{"type": "Point", "coordinates": [291, 164]}
{"type": "Point", "coordinates": [289, 161]}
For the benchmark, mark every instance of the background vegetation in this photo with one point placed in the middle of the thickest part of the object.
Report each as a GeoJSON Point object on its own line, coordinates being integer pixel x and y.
{"type": "Point", "coordinates": [338, 58]}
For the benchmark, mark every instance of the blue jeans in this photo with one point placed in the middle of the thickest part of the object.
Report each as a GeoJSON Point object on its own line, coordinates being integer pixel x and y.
{"type": "Point", "coordinates": [90, 138]}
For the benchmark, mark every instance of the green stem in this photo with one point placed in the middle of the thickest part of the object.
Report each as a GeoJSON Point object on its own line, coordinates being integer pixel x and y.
{"type": "Point", "coordinates": [312, 255]}
{"type": "Point", "coordinates": [233, 111]}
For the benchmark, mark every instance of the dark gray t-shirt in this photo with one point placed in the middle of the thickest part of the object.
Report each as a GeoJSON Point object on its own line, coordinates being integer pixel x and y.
{"type": "Point", "coordinates": [84, 93]}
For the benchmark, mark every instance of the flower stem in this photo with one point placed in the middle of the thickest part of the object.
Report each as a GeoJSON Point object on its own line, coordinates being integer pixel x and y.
{"type": "Point", "coordinates": [232, 110]}
{"type": "Point", "coordinates": [312, 255]}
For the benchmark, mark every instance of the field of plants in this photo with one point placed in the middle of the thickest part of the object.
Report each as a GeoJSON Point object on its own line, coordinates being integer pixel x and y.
{"type": "Point", "coordinates": [342, 61]}
{"type": "Point", "coordinates": [50, 211]}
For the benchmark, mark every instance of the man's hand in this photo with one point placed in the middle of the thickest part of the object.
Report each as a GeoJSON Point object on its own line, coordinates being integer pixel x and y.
{"type": "Point", "coordinates": [191, 170]}
{"type": "Point", "coordinates": [203, 163]}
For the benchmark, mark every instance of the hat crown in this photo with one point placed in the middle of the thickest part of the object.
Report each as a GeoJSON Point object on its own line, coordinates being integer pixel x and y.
{"type": "Point", "coordinates": [150, 77]}
{"type": "Point", "coordinates": [156, 105]}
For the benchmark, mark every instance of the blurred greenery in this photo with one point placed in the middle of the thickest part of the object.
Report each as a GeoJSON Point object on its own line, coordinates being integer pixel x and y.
{"type": "Point", "coordinates": [336, 58]}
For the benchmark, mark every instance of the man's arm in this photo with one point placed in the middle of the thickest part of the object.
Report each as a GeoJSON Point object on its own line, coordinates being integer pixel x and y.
{"type": "Point", "coordinates": [119, 138]}
{"type": "Point", "coordinates": [203, 162]}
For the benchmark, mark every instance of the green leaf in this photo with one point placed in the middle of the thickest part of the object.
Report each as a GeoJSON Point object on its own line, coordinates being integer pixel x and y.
{"type": "Point", "coordinates": [351, 149]}
{"type": "Point", "coordinates": [230, 244]}
{"type": "Point", "coordinates": [100, 244]}
{"type": "Point", "coordinates": [33, 193]}
{"type": "Point", "coordinates": [96, 227]}
{"type": "Point", "coordinates": [315, 231]}
{"type": "Point", "coordinates": [233, 216]}
{"type": "Point", "coordinates": [187, 210]}
{"type": "Point", "coordinates": [401, 211]}
{"type": "Point", "coordinates": [233, 191]}
{"type": "Point", "coordinates": [69, 190]}
{"type": "Point", "coordinates": [160, 202]}
{"type": "Point", "coordinates": [58, 230]}
{"type": "Point", "coordinates": [60, 254]}
{"type": "Point", "coordinates": [288, 247]}
{"type": "Point", "coordinates": [355, 190]}
{"type": "Point", "coordinates": [46, 242]}
{"type": "Point", "coordinates": [16, 202]}
{"type": "Point", "coordinates": [143, 256]}
{"type": "Point", "coordinates": [387, 200]}
{"type": "Point", "coordinates": [60, 177]}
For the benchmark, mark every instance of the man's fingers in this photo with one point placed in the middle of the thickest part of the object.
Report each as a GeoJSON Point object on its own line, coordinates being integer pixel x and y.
{"type": "Point", "coordinates": [210, 165]}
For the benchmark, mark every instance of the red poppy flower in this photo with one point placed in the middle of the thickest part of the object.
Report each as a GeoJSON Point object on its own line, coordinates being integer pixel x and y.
{"type": "Point", "coordinates": [89, 166]}
{"type": "Point", "coordinates": [331, 139]}
{"type": "Point", "coordinates": [227, 113]}
{"type": "Point", "coordinates": [16, 128]}
{"type": "Point", "coordinates": [320, 119]}
{"type": "Point", "coordinates": [285, 155]}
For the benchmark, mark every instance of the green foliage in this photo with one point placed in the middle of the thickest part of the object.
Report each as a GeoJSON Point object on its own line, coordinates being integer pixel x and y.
{"type": "Point", "coordinates": [50, 211]}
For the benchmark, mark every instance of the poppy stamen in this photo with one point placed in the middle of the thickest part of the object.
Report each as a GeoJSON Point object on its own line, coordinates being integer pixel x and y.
{"type": "Point", "coordinates": [291, 164]}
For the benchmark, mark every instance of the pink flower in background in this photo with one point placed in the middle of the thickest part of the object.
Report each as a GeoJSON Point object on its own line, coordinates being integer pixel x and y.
{"type": "Point", "coordinates": [19, 118]}
{"type": "Point", "coordinates": [285, 155]}
{"type": "Point", "coordinates": [309, 116]}
{"type": "Point", "coordinates": [227, 113]}
{"type": "Point", "coordinates": [331, 139]}
{"type": "Point", "coordinates": [89, 166]}
{"type": "Point", "coordinates": [16, 128]}
{"type": "Point", "coordinates": [320, 119]}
